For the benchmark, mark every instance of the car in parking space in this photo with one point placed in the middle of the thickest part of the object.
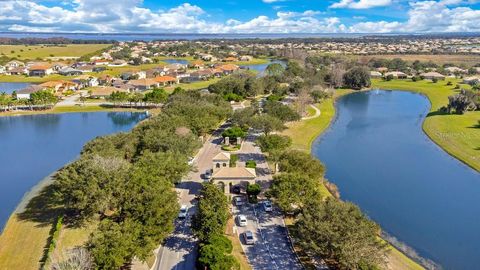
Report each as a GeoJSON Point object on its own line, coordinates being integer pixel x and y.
{"type": "Point", "coordinates": [236, 190]}
{"type": "Point", "coordinates": [248, 237]}
{"type": "Point", "coordinates": [267, 206]}
{"type": "Point", "coordinates": [183, 211]}
{"type": "Point", "coordinates": [238, 200]}
{"type": "Point", "coordinates": [242, 220]}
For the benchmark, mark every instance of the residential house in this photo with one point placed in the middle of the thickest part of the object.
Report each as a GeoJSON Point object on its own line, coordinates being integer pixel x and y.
{"type": "Point", "coordinates": [104, 91]}
{"type": "Point", "coordinates": [432, 75]}
{"type": "Point", "coordinates": [166, 80]}
{"type": "Point", "coordinates": [375, 74]}
{"type": "Point", "coordinates": [229, 59]}
{"type": "Point", "coordinates": [59, 87]}
{"type": "Point", "coordinates": [133, 75]}
{"type": "Point", "coordinates": [39, 70]}
{"type": "Point", "coordinates": [246, 58]}
{"type": "Point", "coordinates": [17, 71]}
{"type": "Point", "coordinates": [14, 64]}
{"type": "Point", "coordinates": [86, 81]}
{"type": "Point", "coordinates": [99, 69]}
{"type": "Point", "coordinates": [144, 84]}
{"type": "Point", "coordinates": [455, 70]}
{"type": "Point", "coordinates": [68, 71]}
{"type": "Point", "coordinates": [176, 67]}
{"type": "Point", "coordinates": [228, 68]}
{"type": "Point", "coordinates": [474, 80]}
{"type": "Point", "coordinates": [85, 68]}
{"type": "Point", "coordinates": [197, 64]}
{"type": "Point", "coordinates": [396, 75]}
{"type": "Point", "coordinates": [101, 62]}
{"type": "Point", "coordinates": [2, 69]}
{"type": "Point", "coordinates": [382, 69]}
{"type": "Point", "coordinates": [25, 93]}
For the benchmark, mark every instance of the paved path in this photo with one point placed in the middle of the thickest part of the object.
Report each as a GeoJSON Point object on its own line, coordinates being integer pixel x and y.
{"type": "Point", "coordinates": [179, 251]}
{"type": "Point", "coordinates": [317, 113]}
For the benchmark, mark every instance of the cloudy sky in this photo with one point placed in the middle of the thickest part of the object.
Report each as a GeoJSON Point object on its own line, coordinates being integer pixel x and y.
{"type": "Point", "coordinates": [240, 16]}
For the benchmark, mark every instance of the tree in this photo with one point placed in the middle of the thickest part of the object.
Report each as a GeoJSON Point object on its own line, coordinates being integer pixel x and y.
{"type": "Point", "coordinates": [266, 123]}
{"type": "Point", "coordinates": [252, 191]}
{"type": "Point", "coordinates": [293, 190]}
{"type": "Point", "coordinates": [43, 97]}
{"type": "Point", "coordinates": [215, 258]}
{"type": "Point", "coordinates": [234, 133]}
{"type": "Point", "coordinates": [273, 143]}
{"type": "Point", "coordinates": [243, 117]}
{"type": "Point", "coordinates": [274, 70]}
{"type": "Point", "coordinates": [464, 101]}
{"type": "Point", "coordinates": [319, 95]}
{"type": "Point", "coordinates": [340, 231]}
{"type": "Point", "coordinates": [77, 258]}
{"type": "Point", "coordinates": [297, 161]}
{"type": "Point", "coordinates": [280, 111]}
{"type": "Point", "coordinates": [157, 96]}
{"type": "Point", "coordinates": [212, 214]}
{"type": "Point", "coordinates": [357, 77]}
{"type": "Point", "coordinates": [118, 97]}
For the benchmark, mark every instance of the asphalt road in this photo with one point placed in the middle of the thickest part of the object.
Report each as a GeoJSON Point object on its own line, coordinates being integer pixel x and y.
{"type": "Point", "coordinates": [180, 249]}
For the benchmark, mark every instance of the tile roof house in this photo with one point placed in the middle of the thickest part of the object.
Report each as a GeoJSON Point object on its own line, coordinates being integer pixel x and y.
{"type": "Point", "coordinates": [166, 80]}
{"type": "Point", "coordinates": [144, 84]}
{"type": "Point", "coordinates": [25, 93]}
{"type": "Point", "coordinates": [40, 70]}
{"type": "Point", "coordinates": [104, 92]}
{"type": "Point", "coordinates": [226, 177]}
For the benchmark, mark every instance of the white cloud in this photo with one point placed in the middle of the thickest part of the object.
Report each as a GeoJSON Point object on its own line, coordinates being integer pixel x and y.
{"type": "Point", "coordinates": [130, 16]}
{"type": "Point", "coordinates": [361, 4]}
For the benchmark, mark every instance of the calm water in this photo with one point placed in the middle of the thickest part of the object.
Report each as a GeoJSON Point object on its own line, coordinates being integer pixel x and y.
{"type": "Point", "coordinates": [9, 87]}
{"type": "Point", "coordinates": [32, 147]}
{"type": "Point", "coordinates": [176, 61]}
{"type": "Point", "coordinates": [378, 155]}
{"type": "Point", "coordinates": [261, 68]}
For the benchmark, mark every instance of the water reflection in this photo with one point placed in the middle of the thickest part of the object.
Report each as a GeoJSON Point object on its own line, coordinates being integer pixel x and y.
{"type": "Point", "coordinates": [34, 146]}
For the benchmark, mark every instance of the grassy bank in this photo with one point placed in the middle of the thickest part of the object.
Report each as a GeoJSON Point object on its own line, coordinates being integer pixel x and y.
{"type": "Point", "coordinates": [458, 135]}
{"type": "Point", "coordinates": [303, 133]}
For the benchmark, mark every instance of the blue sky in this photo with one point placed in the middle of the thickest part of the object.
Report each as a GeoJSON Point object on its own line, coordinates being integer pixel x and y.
{"type": "Point", "coordinates": [236, 16]}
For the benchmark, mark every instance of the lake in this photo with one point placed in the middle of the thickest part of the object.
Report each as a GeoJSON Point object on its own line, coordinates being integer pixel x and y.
{"type": "Point", "coordinates": [9, 87]}
{"type": "Point", "coordinates": [378, 155]}
{"type": "Point", "coordinates": [32, 147]}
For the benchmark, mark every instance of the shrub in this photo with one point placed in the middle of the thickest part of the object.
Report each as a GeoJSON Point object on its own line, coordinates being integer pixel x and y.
{"type": "Point", "coordinates": [251, 164]}
{"type": "Point", "coordinates": [233, 160]}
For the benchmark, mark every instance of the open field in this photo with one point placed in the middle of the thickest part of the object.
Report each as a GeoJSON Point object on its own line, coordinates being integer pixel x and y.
{"type": "Point", "coordinates": [193, 86]}
{"type": "Point", "coordinates": [23, 78]}
{"type": "Point", "coordinates": [440, 59]}
{"type": "Point", "coordinates": [44, 51]}
{"type": "Point", "coordinates": [459, 135]}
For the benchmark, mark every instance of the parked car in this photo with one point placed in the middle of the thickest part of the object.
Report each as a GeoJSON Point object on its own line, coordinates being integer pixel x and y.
{"type": "Point", "coordinates": [236, 189]}
{"type": "Point", "coordinates": [248, 237]}
{"type": "Point", "coordinates": [267, 206]}
{"type": "Point", "coordinates": [183, 211]}
{"type": "Point", "coordinates": [242, 220]}
{"type": "Point", "coordinates": [208, 175]}
{"type": "Point", "coordinates": [190, 161]}
{"type": "Point", "coordinates": [238, 200]}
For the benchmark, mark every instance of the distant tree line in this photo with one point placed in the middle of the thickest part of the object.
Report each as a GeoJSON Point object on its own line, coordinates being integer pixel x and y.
{"type": "Point", "coordinates": [51, 40]}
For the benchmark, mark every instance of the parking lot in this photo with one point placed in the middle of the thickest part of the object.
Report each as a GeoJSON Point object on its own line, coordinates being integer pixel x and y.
{"type": "Point", "coordinates": [272, 249]}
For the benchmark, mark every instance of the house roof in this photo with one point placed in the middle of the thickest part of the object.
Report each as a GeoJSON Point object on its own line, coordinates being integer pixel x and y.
{"type": "Point", "coordinates": [106, 91]}
{"type": "Point", "coordinates": [235, 173]}
{"type": "Point", "coordinates": [30, 89]}
{"type": "Point", "coordinates": [50, 84]}
{"type": "Point", "coordinates": [165, 79]}
{"type": "Point", "coordinates": [143, 82]}
{"type": "Point", "coordinates": [222, 156]}
{"type": "Point", "coordinates": [39, 67]}
{"type": "Point", "coordinates": [228, 67]}
{"type": "Point", "coordinates": [432, 74]}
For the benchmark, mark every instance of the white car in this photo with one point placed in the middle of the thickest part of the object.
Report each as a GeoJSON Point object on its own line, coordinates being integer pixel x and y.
{"type": "Point", "coordinates": [238, 200]}
{"type": "Point", "coordinates": [242, 220]}
{"type": "Point", "coordinates": [248, 237]}
{"type": "Point", "coordinates": [267, 206]}
{"type": "Point", "coordinates": [191, 160]}
{"type": "Point", "coordinates": [183, 211]}
{"type": "Point", "coordinates": [208, 175]}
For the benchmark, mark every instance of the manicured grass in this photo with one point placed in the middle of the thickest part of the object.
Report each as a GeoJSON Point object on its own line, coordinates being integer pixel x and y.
{"type": "Point", "coordinates": [44, 51]}
{"type": "Point", "coordinates": [237, 251]}
{"type": "Point", "coordinates": [459, 135]}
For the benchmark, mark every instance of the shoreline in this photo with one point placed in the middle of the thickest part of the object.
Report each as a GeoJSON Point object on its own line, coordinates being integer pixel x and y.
{"type": "Point", "coordinates": [395, 251]}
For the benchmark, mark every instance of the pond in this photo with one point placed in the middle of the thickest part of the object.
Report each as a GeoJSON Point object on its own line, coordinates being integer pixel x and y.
{"type": "Point", "coordinates": [9, 87]}
{"type": "Point", "coordinates": [32, 147]}
{"type": "Point", "coordinates": [261, 68]}
{"type": "Point", "coordinates": [176, 61]}
{"type": "Point", "coordinates": [378, 155]}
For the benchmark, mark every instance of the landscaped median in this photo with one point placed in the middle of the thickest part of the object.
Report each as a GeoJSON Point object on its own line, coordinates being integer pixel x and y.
{"type": "Point", "coordinates": [303, 133]}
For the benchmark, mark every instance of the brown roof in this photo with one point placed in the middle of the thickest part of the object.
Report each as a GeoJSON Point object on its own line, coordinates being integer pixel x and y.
{"type": "Point", "coordinates": [235, 173]}
{"type": "Point", "coordinates": [228, 67]}
{"type": "Point", "coordinates": [143, 82]}
{"type": "Point", "coordinates": [39, 67]}
{"type": "Point", "coordinates": [106, 91]}
{"type": "Point", "coordinates": [222, 156]}
{"type": "Point", "coordinates": [163, 79]}
{"type": "Point", "coordinates": [51, 84]}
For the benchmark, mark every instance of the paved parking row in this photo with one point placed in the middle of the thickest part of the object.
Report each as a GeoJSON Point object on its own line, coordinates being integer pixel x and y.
{"type": "Point", "coordinates": [272, 249]}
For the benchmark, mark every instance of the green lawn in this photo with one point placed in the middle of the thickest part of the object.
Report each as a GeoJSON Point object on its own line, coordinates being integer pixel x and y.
{"type": "Point", "coordinates": [22, 78]}
{"type": "Point", "coordinates": [43, 51]}
{"type": "Point", "coordinates": [459, 135]}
